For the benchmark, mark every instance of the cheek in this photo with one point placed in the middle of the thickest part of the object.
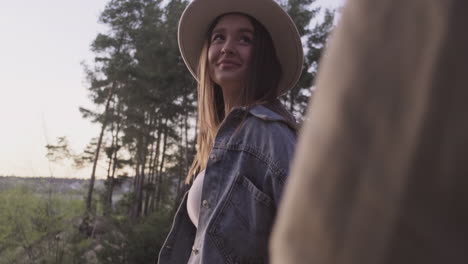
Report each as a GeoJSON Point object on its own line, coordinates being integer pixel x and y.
{"type": "Point", "coordinates": [212, 51]}
{"type": "Point", "coordinates": [211, 58]}
{"type": "Point", "coordinates": [247, 55]}
{"type": "Point", "coordinates": [211, 61]}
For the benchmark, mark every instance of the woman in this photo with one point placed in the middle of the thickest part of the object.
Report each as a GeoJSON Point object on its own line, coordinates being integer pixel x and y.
{"type": "Point", "coordinates": [247, 53]}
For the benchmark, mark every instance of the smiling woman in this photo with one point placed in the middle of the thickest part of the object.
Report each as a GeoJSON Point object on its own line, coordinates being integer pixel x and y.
{"type": "Point", "coordinates": [247, 53]}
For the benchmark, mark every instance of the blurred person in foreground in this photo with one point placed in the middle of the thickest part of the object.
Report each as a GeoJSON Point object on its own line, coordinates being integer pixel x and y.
{"type": "Point", "coordinates": [381, 170]}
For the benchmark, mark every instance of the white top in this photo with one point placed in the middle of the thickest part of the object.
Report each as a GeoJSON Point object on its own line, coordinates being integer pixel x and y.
{"type": "Point", "coordinates": [194, 198]}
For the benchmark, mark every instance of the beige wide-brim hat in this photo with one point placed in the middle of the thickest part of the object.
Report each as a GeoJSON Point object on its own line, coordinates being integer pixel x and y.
{"type": "Point", "coordinates": [199, 14]}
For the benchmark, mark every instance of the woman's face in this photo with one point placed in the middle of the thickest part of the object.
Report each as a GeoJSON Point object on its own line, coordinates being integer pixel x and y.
{"type": "Point", "coordinates": [230, 50]}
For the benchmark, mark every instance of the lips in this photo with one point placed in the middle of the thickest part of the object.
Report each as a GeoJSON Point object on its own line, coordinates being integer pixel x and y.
{"type": "Point", "coordinates": [228, 63]}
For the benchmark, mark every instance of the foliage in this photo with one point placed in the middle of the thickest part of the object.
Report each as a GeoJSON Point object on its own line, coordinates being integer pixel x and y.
{"type": "Point", "coordinates": [31, 224]}
{"type": "Point", "coordinates": [147, 96]}
{"type": "Point", "coordinates": [141, 242]}
{"type": "Point", "coordinates": [59, 151]}
{"type": "Point", "coordinates": [314, 37]}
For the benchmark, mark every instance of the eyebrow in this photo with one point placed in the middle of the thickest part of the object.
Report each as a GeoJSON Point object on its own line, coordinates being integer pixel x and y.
{"type": "Point", "coordinates": [243, 30]}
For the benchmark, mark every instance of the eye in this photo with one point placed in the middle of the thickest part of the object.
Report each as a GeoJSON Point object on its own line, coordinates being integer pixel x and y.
{"type": "Point", "coordinates": [217, 37]}
{"type": "Point", "coordinates": [246, 39]}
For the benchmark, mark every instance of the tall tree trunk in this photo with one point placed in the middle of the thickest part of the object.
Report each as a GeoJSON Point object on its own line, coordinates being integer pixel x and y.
{"type": "Point", "coordinates": [109, 169]}
{"type": "Point", "coordinates": [150, 179]}
{"type": "Point", "coordinates": [151, 170]}
{"type": "Point", "coordinates": [111, 178]}
{"type": "Point", "coordinates": [133, 208]}
{"type": "Point", "coordinates": [89, 198]}
{"type": "Point", "coordinates": [156, 167]}
{"type": "Point", "coordinates": [98, 149]}
{"type": "Point", "coordinates": [184, 172]}
{"type": "Point", "coordinates": [137, 181]}
{"type": "Point", "coordinates": [142, 153]}
{"type": "Point", "coordinates": [161, 166]}
{"type": "Point", "coordinates": [140, 182]}
{"type": "Point", "coordinates": [147, 138]}
{"type": "Point", "coordinates": [108, 179]}
{"type": "Point", "coordinates": [141, 185]}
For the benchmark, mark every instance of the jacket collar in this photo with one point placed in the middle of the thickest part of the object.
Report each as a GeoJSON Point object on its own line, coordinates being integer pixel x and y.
{"type": "Point", "coordinates": [265, 113]}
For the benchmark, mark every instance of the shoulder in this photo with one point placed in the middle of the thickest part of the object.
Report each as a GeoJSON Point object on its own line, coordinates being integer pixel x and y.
{"type": "Point", "coordinates": [265, 113]}
{"type": "Point", "coordinates": [267, 124]}
{"type": "Point", "coordinates": [266, 135]}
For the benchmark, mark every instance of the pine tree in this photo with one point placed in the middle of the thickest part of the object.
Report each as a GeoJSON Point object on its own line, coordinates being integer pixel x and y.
{"type": "Point", "coordinates": [314, 39]}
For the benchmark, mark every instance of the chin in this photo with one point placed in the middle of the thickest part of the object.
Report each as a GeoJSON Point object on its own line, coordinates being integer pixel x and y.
{"type": "Point", "coordinates": [229, 78]}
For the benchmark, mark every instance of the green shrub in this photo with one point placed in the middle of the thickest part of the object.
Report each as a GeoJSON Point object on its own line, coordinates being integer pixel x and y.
{"type": "Point", "coordinates": [139, 243]}
{"type": "Point", "coordinates": [30, 222]}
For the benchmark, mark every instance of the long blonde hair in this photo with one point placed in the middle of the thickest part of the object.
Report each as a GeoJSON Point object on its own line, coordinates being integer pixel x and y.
{"type": "Point", "coordinates": [261, 88]}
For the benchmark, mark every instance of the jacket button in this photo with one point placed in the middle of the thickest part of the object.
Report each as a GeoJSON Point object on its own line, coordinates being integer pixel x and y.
{"type": "Point", "coordinates": [206, 204]}
{"type": "Point", "coordinates": [213, 157]}
{"type": "Point", "coordinates": [195, 250]}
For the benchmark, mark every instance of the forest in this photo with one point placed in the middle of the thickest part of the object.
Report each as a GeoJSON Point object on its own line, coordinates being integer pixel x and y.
{"type": "Point", "coordinates": [145, 105]}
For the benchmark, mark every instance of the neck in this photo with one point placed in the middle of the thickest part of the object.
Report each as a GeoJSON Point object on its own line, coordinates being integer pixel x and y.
{"type": "Point", "coordinates": [231, 94]}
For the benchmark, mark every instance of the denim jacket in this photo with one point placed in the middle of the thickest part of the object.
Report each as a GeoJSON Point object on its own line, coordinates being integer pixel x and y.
{"type": "Point", "coordinates": [244, 179]}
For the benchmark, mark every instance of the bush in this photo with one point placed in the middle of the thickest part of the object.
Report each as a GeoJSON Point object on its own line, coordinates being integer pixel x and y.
{"type": "Point", "coordinates": [137, 243]}
{"type": "Point", "coordinates": [30, 223]}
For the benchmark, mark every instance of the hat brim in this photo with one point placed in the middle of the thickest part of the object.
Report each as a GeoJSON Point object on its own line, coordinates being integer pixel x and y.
{"type": "Point", "coordinates": [199, 14]}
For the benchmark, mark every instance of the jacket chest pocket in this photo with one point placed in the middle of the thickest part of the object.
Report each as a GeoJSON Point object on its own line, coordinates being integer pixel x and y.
{"type": "Point", "coordinates": [242, 227]}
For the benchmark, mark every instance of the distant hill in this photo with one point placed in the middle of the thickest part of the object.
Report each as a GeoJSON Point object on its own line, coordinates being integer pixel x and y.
{"type": "Point", "coordinates": [61, 185]}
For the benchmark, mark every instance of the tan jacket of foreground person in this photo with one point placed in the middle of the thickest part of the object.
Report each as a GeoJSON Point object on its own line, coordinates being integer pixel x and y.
{"type": "Point", "coordinates": [381, 172]}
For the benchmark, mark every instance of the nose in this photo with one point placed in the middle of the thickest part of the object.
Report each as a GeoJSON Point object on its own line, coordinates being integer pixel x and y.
{"type": "Point", "coordinates": [228, 47]}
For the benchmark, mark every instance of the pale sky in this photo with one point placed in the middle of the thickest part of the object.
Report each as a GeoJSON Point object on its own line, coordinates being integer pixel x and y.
{"type": "Point", "coordinates": [42, 43]}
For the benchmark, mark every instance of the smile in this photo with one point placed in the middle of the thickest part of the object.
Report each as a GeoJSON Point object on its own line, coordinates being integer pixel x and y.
{"type": "Point", "coordinates": [228, 64]}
